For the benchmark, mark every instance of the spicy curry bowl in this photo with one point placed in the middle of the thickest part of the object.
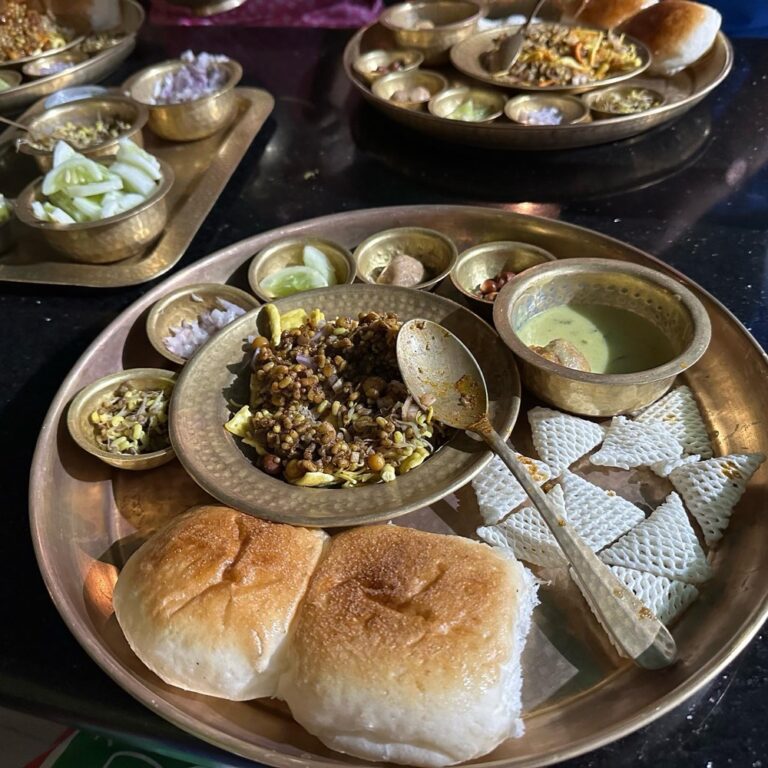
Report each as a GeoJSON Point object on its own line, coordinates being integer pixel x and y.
{"type": "Point", "coordinates": [600, 337]}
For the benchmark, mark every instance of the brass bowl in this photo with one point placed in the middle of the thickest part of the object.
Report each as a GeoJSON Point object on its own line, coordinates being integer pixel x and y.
{"type": "Point", "coordinates": [7, 234]}
{"type": "Point", "coordinates": [102, 242]}
{"type": "Point", "coordinates": [573, 110]}
{"type": "Point", "coordinates": [387, 85]}
{"type": "Point", "coordinates": [288, 253]}
{"type": "Point", "coordinates": [487, 260]}
{"type": "Point", "coordinates": [591, 99]}
{"type": "Point", "coordinates": [662, 300]}
{"type": "Point", "coordinates": [88, 400]}
{"type": "Point", "coordinates": [85, 112]}
{"type": "Point", "coordinates": [10, 78]}
{"type": "Point", "coordinates": [453, 21]}
{"type": "Point", "coordinates": [433, 249]}
{"type": "Point", "coordinates": [367, 64]}
{"type": "Point", "coordinates": [222, 466]}
{"type": "Point", "coordinates": [445, 103]}
{"type": "Point", "coordinates": [43, 67]}
{"type": "Point", "coordinates": [186, 120]}
{"type": "Point", "coordinates": [180, 305]}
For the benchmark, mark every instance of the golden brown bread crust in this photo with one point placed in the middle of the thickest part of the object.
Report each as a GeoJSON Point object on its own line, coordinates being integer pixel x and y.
{"type": "Point", "coordinates": [608, 14]}
{"type": "Point", "coordinates": [667, 25]}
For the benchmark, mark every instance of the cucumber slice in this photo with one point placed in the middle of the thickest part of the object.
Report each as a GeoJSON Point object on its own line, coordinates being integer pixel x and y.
{"type": "Point", "coordinates": [134, 180]}
{"type": "Point", "coordinates": [89, 209]}
{"type": "Point", "coordinates": [63, 201]}
{"type": "Point", "coordinates": [132, 154]}
{"type": "Point", "coordinates": [315, 259]}
{"type": "Point", "coordinates": [96, 188]}
{"type": "Point", "coordinates": [117, 202]}
{"type": "Point", "coordinates": [38, 211]}
{"type": "Point", "coordinates": [290, 280]}
{"type": "Point", "coordinates": [78, 170]}
{"type": "Point", "coordinates": [62, 152]}
{"type": "Point", "coordinates": [56, 215]}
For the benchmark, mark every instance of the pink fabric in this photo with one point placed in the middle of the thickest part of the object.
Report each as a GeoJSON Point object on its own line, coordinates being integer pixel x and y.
{"type": "Point", "coordinates": [276, 13]}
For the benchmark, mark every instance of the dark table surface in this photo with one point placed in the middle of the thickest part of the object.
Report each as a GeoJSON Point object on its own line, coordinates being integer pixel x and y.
{"type": "Point", "coordinates": [694, 194]}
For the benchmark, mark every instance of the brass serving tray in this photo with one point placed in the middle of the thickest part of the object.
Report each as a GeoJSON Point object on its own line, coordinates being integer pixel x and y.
{"type": "Point", "coordinates": [86, 517]}
{"type": "Point", "coordinates": [681, 91]}
{"type": "Point", "coordinates": [93, 69]}
{"type": "Point", "coordinates": [202, 169]}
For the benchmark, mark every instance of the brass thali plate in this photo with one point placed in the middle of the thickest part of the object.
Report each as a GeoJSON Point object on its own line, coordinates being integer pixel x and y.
{"type": "Point", "coordinates": [681, 92]}
{"type": "Point", "coordinates": [202, 169]}
{"type": "Point", "coordinates": [87, 518]}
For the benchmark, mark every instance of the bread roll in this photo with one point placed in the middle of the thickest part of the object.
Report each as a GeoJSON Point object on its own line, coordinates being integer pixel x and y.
{"type": "Point", "coordinates": [407, 647]}
{"type": "Point", "coordinates": [207, 602]}
{"type": "Point", "coordinates": [677, 32]}
{"type": "Point", "coordinates": [605, 14]}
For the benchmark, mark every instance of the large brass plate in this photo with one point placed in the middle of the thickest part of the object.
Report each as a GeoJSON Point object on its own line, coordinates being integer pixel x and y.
{"type": "Point", "coordinates": [224, 468]}
{"type": "Point", "coordinates": [681, 91]}
{"type": "Point", "coordinates": [86, 517]}
{"type": "Point", "coordinates": [202, 169]}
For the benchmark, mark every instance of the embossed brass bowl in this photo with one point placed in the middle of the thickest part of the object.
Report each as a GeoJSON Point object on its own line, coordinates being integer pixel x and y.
{"type": "Point", "coordinates": [10, 78]}
{"type": "Point", "coordinates": [487, 260]}
{"type": "Point", "coordinates": [571, 109]}
{"type": "Point", "coordinates": [288, 253]}
{"type": "Point", "coordinates": [187, 304]}
{"type": "Point", "coordinates": [432, 27]}
{"type": "Point", "coordinates": [225, 469]}
{"type": "Point", "coordinates": [592, 100]}
{"type": "Point", "coordinates": [385, 87]}
{"type": "Point", "coordinates": [187, 120]}
{"type": "Point", "coordinates": [86, 112]}
{"type": "Point", "coordinates": [50, 65]}
{"type": "Point", "coordinates": [433, 249]}
{"type": "Point", "coordinates": [446, 103]}
{"type": "Point", "coordinates": [107, 240]}
{"type": "Point", "coordinates": [662, 300]}
{"type": "Point", "coordinates": [88, 400]}
{"type": "Point", "coordinates": [368, 64]}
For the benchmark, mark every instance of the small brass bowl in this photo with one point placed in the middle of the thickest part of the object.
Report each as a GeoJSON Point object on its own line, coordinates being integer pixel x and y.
{"type": "Point", "coordinates": [385, 87]}
{"type": "Point", "coordinates": [288, 253]}
{"type": "Point", "coordinates": [89, 399]}
{"type": "Point", "coordinates": [86, 112]}
{"type": "Point", "coordinates": [672, 308]}
{"type": "Point", "coordinates": [48, 65]}
{"type": "Point", "coordinates": [7, 235]}
{"type": "Point", "coordinates": [10, 78]}
{"type": "Point", "coordinates": [592, 100]}
{"type": "Point", "coordinates": [484, 261]}
{"type": "Point", "coordinates": [571, 109]}
{"type": "Point", "coordinates": [181, 305]}
{"type": "Point", "coordinates": [186, 120]}
{"type": "Point", "coordinates": [451, 22]}
{"type": "Point", "coordinates": [447, 102]}
{"type": "Point", "coordinates": [433, 249]}
{"type": "Point", "coordinates": [367, 65]}
{"type": "Point", "coordinates": [107, 240]}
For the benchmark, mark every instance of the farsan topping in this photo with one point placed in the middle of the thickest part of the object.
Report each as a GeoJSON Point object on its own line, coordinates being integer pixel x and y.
{"type": "Point", "coordinates": [132, 421]}
{"type": "Point", "coordinates": [25, 32]}
{"type": "Point", "coordinates": [80, 135]}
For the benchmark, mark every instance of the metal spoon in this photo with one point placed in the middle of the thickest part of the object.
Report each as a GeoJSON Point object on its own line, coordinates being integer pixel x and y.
{"type": "Point", "coordinates": [441, 372]}
{"type": "Point", "coordinates": [500, 60]}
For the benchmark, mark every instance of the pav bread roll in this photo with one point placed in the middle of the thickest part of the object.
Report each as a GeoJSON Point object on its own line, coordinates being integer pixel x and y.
{"type": "Point", "coordinates": [207, 603]}
{"type": "Point", "coordinates": [677, 32]}
{"type": "Point", "coordinates": [407, 647]}
{"type": "Point", "coordinates": [605, 14]}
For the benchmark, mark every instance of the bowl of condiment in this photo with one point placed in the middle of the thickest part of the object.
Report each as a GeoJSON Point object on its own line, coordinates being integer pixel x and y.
{"type": "Point", "coordinates": [53, 65]}
{"type": "Point", "coordinates": [483, 270]}
{"type": "Point", "coordinates": [299, 264]}
{"type": "Point", "coordinates": [622, 100]}
{"type": "Point", "coordinates": [122, 418]}
{"type": "Point", "coordinates": [188, 98]}
{"type": "Point", "coordinates": [6, 223]}
{"type": "Point", "coordinates": [375, 64]}
{"type": "Point", "coordinates": [470, 105]}
{"type": "Point", "coordinates": [75, 93]}
{"type": "Point", "coordinates": [92, 126]}
{"type": "Point", "coordinates": [410, 257]}
{"type": "Point", "coordinates": [432, 27]}
{"type": "Point", "coordinates": [9, 79]}
{"type": "Point", "coordinates": [182, 321]}
{"type": "Point", "coordinates": [600, 337]}
{"type": "Point", "coordinates": [547, 110]}
{"type": "Point", "coordinates": [409, 90]}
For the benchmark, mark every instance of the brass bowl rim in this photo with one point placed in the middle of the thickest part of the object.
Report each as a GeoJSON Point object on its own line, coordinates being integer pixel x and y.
{"type": "Point", "coordinates": [472, 251]}
{"type": "Point", "coordinates": [575, 100]}
{"type": "Point", "coordinates": [433, 233]}
{"type": "Point", "coordinates": [107, 383]}
{"type": "Point", "coordinates": [142, 115]}
{"type": "Point", "coordinates": [235, 75]}
{"type": "Point", "coordinates": [30, 192]}
{"type": "Point", "coordinates": [259, 256]}
{"type": "Point", "coordinates": [390, 53]}
{"type": "Point", "coordinates": [379, 83]}
{"type": "Point", "coordinates": [10, 76]}
{"type": "Point", "coordinates": [75, 56]}
{"type": "Point", "coordinates": [153, 333]}
{"type": "Point", "coordinates": [591, 96]}
{"type": "Point", "coordinates": [446, 92]}
{"type": "Point", "coordinates": [702, 329]}
{"type": "Point", "coordinates": [386, 17]}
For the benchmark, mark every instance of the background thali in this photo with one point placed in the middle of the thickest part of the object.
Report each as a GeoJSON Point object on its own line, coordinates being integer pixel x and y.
{"type": "Point", "coordinates": [83, 523]}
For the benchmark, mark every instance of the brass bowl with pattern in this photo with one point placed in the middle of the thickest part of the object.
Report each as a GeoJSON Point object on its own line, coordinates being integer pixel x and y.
{"type": "Point", "coordinates": [186, 120]}
{"type": "Point", "coordinates": [88, 400]}
{"type": "Point", "coordinates": [107, 240]}
{"type": "Point", "coordinates": [43, 67]}
{"type": "Point", "coordinates": [385, 87]}
{"type": "Point", "coordinates": [660, 299]}
{"type": "Point", "coordinates": [367, 64]}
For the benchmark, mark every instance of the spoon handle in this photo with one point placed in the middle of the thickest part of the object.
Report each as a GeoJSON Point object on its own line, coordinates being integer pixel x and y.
{"type": "Point", "coordinates": [633, 629]}
{"type": "Point", "coordinates": [531, 15]}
